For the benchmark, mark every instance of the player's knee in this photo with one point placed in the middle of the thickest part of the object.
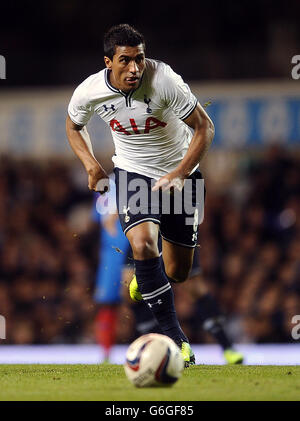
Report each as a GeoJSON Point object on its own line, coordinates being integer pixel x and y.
{"type": "Point", "coordinates": [144, 247]}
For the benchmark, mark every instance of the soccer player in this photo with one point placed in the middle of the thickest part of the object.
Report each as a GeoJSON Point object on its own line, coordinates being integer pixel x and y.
{"type": "Point", "coordinates": [149, 109]}
{"type": "Point", "coordinates": [205, 312]}
{"type": "Point", "coordinates": [114, 264]}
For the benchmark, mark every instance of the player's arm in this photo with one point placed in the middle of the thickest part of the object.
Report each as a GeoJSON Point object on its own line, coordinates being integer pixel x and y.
{"type": "Point", "coordinates": [204, 131]}
{"type": "Point", "coordinates": [203, 135]}
{"type": "Point", "coordinates": [80, 142]}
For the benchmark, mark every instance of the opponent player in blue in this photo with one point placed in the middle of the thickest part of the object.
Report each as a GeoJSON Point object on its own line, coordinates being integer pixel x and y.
{"type": "Point", "coordinates": [112, 258]}
{"type": "Point", "coordinates": [149, 110]}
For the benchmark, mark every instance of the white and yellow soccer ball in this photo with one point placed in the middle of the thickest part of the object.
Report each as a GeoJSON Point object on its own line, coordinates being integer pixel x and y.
{"type": "Point", "coordinates": [153, 360]}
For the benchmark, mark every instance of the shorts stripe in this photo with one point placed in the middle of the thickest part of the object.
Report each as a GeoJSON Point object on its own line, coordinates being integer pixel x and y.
{"type": "Point", "coordinates": [179, 244]}
{"type": "Point", "coordinates": [157, 221]}
{"type": "Point", "coordinates": [156, 292]}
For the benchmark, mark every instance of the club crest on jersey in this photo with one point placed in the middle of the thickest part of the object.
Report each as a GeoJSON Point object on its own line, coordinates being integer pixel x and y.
{"type": "Point", "coordinates": [147, 101]}
{"type": "Point", "coordinates": [106, 108]}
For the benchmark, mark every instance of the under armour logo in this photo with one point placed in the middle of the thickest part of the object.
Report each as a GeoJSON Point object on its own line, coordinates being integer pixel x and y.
{"type": "Point", "coordinates": [157, 302]}
{"type": "Point", "coordinates": [106, 108]}
{"type": "Point", "coordinates": [147, 101]}
{"type": "Point", "coordinates": [127, 217]}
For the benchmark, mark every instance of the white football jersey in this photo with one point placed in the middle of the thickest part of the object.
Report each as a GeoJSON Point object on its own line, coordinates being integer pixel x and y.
{"type": "Point", "coordinates": [147, 125]}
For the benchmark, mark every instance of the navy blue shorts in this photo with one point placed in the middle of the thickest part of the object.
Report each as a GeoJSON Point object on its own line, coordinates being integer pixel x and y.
{"type": "Point", "coordinates": [178, 213]}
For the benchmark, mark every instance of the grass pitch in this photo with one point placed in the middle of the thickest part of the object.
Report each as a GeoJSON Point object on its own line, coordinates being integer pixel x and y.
{"type": "Point", "coordinates": [107, 382]}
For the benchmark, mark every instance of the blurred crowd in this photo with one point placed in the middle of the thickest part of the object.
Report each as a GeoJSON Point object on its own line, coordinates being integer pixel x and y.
{"type": "Point", "coordinates": [47, 266]}
{"type": "Point", "coordinates": [249, 247]}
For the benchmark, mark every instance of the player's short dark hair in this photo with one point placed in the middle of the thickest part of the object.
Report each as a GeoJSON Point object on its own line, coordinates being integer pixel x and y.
{"type": "Point", "coordinates": [121, 35]}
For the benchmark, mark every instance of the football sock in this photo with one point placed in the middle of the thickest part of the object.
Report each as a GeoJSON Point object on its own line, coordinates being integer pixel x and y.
{"type": "Point", "coordinates": [158, 295]}
{"type": "Point", "coordinates": [209, 314]}
{"type": "Point", "coordinates": [106, 321]}
{"type": "Point", "coordinates": [145, 321]}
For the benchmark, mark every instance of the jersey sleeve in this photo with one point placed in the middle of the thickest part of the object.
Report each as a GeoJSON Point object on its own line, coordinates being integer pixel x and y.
{"type": "Point", "coordinates": [79, 109]}
{"type": "Point", "coordinates": [177, 94]}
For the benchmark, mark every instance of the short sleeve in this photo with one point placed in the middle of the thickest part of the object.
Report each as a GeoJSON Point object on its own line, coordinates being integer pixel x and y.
{"type": "Point", "coordinates": [79, 109]}
{"type": "Point", "coordinates": [177, 93]}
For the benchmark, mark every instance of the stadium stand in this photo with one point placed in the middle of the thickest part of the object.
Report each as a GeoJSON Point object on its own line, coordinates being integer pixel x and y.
{"type": "Point", "coordinates": [250, 247]}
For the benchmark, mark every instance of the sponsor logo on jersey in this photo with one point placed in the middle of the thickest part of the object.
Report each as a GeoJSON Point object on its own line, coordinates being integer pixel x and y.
{"type": "Point", "coordinates": [150, 124]}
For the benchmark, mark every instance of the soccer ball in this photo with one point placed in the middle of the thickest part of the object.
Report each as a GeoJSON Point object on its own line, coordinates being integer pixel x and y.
{"type": "Point", "coordinates": [153, 360]}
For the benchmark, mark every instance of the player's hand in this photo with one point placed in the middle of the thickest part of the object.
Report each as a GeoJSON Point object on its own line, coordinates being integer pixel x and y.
{"type": "Point", "coordinates": [98, 180]}
{"type": "Point", "coordinates": [173, 180]}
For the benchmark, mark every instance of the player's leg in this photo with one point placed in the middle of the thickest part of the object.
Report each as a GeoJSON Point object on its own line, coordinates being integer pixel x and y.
{"type": "Point", "coordinates": [177, 260]}
{"type": "Point", "coordinates": [207, 311]}
{"type": "Point", "coordinates": [178, 264]}
{"type": "Point", "coordinates": [152, 282]}
{"type": "Point", "coordinates": [105, 329]}
{"type": "Point", "coordinates": [179, 235]}
{"type": "Point", "coordinates": [141, 229]}
{"type": "Point", "coordinates": [145, 322]}
{"type": "Point", "coordinates": [179, 230]}
{"type": "Point", "coordinates": [209, 315]}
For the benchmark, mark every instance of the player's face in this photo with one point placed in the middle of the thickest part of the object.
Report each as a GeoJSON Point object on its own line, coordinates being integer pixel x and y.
{"type": "Point", "coordinates": [127, 67]}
